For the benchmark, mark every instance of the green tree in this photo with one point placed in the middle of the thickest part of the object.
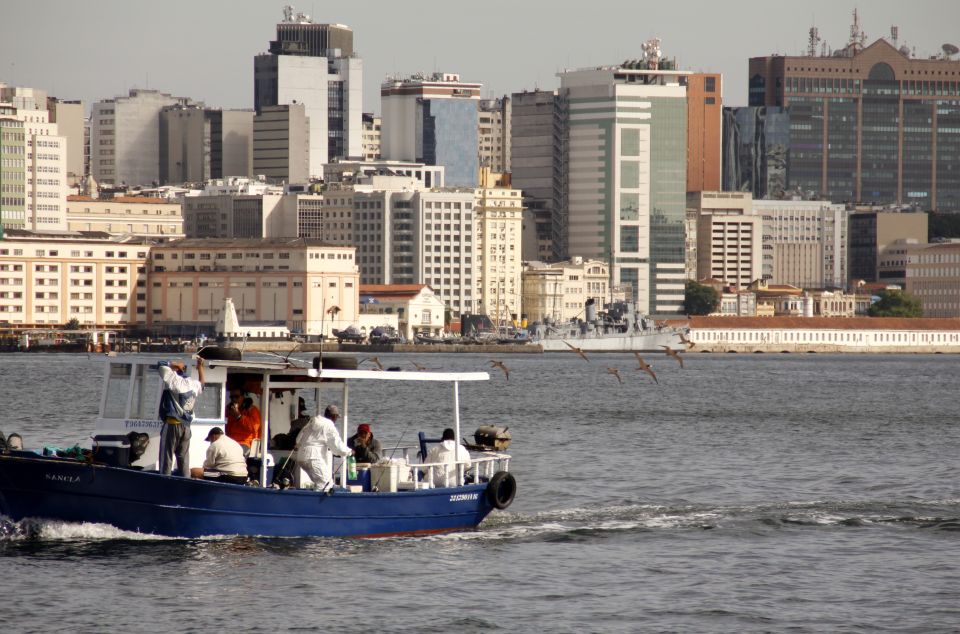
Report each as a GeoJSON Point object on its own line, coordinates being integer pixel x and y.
{"type": "Point", "coordinates": [894, 303]}
{"type": "Point", "coordinates": [73, 324]}
{"type": "Point", "coordinates": [700, 299]}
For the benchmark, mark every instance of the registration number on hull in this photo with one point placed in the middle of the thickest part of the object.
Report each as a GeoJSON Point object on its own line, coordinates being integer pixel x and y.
{"type": "Point", "coordinates": [464, 497]}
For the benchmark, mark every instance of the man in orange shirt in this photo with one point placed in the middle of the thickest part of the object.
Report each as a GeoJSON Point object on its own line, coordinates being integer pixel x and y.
{"type": "Point", "coordinates": [243, 419]}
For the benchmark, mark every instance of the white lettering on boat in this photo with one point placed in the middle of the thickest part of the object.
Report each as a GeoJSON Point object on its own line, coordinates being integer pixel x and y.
{"type": "Point", "coordinates": [464, 497]}
{"type": "Point", "coordinates": [140, 423]}
{"type": "Point", "coordinates": [57, 477]}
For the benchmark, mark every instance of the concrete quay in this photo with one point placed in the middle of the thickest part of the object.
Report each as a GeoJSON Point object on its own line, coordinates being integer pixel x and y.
{"type": "Point", "coordinates": [285, 347]}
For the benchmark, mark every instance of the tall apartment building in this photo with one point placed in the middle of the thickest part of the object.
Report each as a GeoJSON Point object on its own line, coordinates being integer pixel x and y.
{"type": "Point", "coordinates": [137, 216]}
{"type": "Point", "coordinates": [125, 137]}
{"type": "Point", "coordinates": [432, 119]}
{"type": "Point", "coordinates": [498, 227]}
{"type": "Point", "coordinates": [625, 143]}
{"type": "Point", "coordinates": [49, 278]}
{"type": "Point", "coordinates": [704, 131]}
{"type": "Point", "coordinates": [293, 281]}
{"type": "Point", "coordinates": [535, 160]}
{"type": "Point", "coordinates": [804, 242]}
{"type": "Point", "coordinates": [315, 65]}
{"type": "Point", "coordinates": [70, 119]}
{"type": "Point", "coordinates": [494, 120]}
{"type": "Point", "coordinates": [558, 292]}
{"type": "Point", "coordinates": [33, 163]}
{"type": "Point", "coordinates": [281, 143]}
{"type": "Point", "coordinates": [869, 124]}
{"type": "Point", "coordinates": [198, 144]}
{"type": "Point", "coordinates": [872, 233]}
{"type": "Point", "coordinates": [730, 248]}
{"type": "Point", "coordinates": [371, 137]}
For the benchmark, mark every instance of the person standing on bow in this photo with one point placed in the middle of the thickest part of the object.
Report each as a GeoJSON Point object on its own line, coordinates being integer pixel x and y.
{"type": "Point", "coordinates": [316, 444]}
{"type": "Point", "coordinates": [176, 411]}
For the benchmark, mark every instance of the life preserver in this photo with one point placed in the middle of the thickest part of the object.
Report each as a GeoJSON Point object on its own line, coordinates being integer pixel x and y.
{"type": "Point", "coordinates": [501, 489]}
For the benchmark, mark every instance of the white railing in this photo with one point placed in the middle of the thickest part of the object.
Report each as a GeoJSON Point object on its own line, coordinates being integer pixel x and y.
{"type": "Point", "coordinates": [482, 467]}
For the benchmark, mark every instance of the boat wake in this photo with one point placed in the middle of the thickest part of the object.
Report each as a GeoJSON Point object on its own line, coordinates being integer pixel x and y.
{"type": "Point", "coordinates": [58, 531]}
{"type": "Point", "coordinates": [582, 522]}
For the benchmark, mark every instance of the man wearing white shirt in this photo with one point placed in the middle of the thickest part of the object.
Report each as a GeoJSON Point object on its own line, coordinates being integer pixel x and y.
{"type": "Point", "coordinates": [224, 459]}
{"type": "Point", "coordinates": [448, 453]}
{"type": "Point", "coordinates": [317, 442]}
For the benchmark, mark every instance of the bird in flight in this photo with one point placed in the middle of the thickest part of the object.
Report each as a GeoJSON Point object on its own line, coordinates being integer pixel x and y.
{"type": "Point", "coordinates": [643, 365]}
{"type": "Point", "coordinates": [375, 360]}
{"type": "Point", "coordinates": [687, 342]}
{"type": "Point", "coordinates": [419, 367]}
{"type": "Point", "coordinates": [673, 353]}
{"type": "Point", "coordinates": [615, 372]}
{"type": "Point", "coordinates": [578, 351]}
{"type": "Point", "coordinates": [499, 364]}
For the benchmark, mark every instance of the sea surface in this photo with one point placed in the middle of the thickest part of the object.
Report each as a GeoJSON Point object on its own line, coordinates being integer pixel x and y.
{"type": "Point", "coordinates": [743, 493]}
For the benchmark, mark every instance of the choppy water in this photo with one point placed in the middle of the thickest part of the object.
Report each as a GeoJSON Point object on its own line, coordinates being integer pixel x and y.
{"type": "Point", "coordinates": [742, 493]}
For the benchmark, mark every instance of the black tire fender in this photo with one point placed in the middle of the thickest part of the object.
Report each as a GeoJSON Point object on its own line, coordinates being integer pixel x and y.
{"type": "Point", "coordinates": [501, 489]}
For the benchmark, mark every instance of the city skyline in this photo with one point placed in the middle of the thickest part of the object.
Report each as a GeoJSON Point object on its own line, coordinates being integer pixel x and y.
{"type": "Point", "coordinates": [161, 57]}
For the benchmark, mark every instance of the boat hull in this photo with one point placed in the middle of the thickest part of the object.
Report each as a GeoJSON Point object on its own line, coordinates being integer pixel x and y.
{"type": "Point", "coordinates": [614, 342]}
{"type": "Point", "coordinates": [148, 502]}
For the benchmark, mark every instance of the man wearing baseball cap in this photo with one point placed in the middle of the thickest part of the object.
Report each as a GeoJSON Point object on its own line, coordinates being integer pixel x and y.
{"type": "Point", "coordinates": [225, 461]}
{"type": "Point", "coordinates": [365, 447]}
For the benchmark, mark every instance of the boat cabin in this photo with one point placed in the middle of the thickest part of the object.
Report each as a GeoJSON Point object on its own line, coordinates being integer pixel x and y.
{"type": "Point", "coordinates": [279, 390]}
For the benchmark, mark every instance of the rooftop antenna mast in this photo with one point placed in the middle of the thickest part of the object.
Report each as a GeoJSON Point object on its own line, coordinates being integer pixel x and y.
{"type": "Point", "coordinates": [813, 41]}
{"type": "Point", "coordinates": [857, 37]}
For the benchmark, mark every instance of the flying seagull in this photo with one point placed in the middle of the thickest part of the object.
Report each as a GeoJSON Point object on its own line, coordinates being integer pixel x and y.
{"type": "Point", "coordinates": [578, 351]}
{"type": "Point", "coordinates": [615, 372]}
{"type": "Point", "coordinates": [643, 365]}
{"type": "Point", "coordinates": [499, 364]}
{"type": "Point", "coordinates": [673, 353]}
{"type": "Point", "coordinates": [375, 360]}
{"type": "Point", "coordinates": [687, 342]}
{"type": "Point", "coordinates": [421, 368]}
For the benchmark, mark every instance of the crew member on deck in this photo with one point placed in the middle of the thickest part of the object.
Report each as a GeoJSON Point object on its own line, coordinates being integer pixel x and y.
{"type": "Point", "coordinates": [316, 445]}
{"type": "Point", "coordinates": [243, 419]}
{"type": "Point", "coordinates": [225, 461]}
{"type": "Point", "coordinates": [176, 411]}
{"type": "Point", "coordinates": [447, 454]}
{"type": "Point", "coordinates": [365, 447]}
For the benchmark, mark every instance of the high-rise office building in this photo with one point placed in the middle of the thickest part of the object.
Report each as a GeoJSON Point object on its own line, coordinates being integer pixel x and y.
{"type": "Point", "coordinates": [872, 233]}
{"type": "Point", "coordinates": [315, 65]}
{"type": "Point", "coordinates": [870, 124]}
{"type": "Point", "coordinates": [197, 144]}
{"type": "Point", "coordinates": [535, 156]}
{"type": "Point", "coordinates": [432, 119]}
{"type": "Point", "coordinates": [371, 137]}
{"type": "Point", "coordinates": [704, 131]}
{"type": "Point", "coordinates": [494, 120]}
{"type": "Point", "coordinates": [125, 137]}
{"type": "Point", "coordinates": [756, 140]}
{"type": "Point", "coordinates": [69, 117]}
{"type": "Point", "coordinates": [625, 144]}
{"type": "Point", "coordinates": [281, 143]}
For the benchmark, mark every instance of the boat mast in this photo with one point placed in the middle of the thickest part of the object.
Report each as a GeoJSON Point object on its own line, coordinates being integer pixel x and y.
{"type": "Point", "coordinates": [264, 427]}
{"type": "Point", "coordinates": [456, 427]}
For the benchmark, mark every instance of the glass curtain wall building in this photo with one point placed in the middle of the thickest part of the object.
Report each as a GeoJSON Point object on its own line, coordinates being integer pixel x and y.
{"type": "Point", "coordinates": [624, 130]}
{"type": "Point", "coordinates": [868, 124]}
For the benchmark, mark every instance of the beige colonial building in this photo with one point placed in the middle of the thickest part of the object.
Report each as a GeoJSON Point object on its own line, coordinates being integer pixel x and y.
{"type": "Point", "coordinates": [558, 291]}
{"type": "Point", "coordinates": [498, 227]}
{"type": "Point", "coordinates": [48, 279]}
{"type": "Point", "coordinates": [126, 215]}
{"type": "Point", "coordinates": [417, 308]}
{"type": "Point", "coordinates": [306, 284]}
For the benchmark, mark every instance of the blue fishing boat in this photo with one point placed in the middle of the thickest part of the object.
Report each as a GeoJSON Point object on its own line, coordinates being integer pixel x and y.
{"type": "Point", "coordinates": [117, 482]}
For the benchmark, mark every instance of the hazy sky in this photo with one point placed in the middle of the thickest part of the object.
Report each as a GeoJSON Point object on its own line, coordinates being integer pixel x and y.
{"type": "Point", "coordinates": [204, 49]}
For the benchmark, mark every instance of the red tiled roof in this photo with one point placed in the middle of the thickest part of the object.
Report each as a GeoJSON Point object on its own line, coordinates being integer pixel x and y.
{"type": "Point", "coordinates": [827, 323]}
